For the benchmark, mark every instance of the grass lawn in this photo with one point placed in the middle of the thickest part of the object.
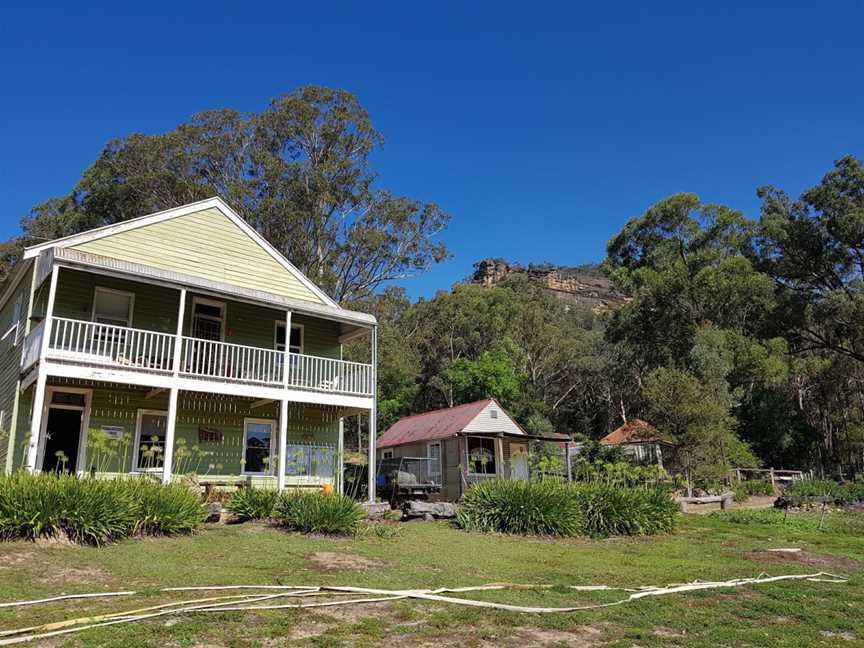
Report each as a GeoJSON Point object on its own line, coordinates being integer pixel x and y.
{"type": "Point", "coordinates": [428, 555]}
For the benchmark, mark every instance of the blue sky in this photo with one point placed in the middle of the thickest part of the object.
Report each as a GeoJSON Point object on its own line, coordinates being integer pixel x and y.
{"type": "Point", "coordinates": [541, 127]}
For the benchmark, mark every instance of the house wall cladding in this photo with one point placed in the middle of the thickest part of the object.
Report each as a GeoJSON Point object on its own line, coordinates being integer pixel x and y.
{"type": "Point", "coordinates": [10, 352]}
{"type": "Point", "coordinates": [206, 244]}
{"type": "Point", "coordinates": [117, 406]}
{"type": "Point", "coordinates": [484, 421]}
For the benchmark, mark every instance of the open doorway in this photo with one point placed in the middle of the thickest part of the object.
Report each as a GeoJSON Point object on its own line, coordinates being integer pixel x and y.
{"type": "Point", "coordinates": [64, 429]}
{"type": "Point", "coordinates": [62, 440]}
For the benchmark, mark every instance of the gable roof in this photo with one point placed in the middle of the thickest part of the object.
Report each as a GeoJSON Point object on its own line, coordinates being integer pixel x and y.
{"type": "Point", "coordinates": [634, 431]}
{"type": "Point", "coordinates": [437, 424]}
{"type": "Point", "coordinates": [133, 235]}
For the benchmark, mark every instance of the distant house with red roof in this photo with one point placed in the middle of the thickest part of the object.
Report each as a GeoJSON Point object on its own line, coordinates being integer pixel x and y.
{"type": "Point", "coordinates": [640, 440]}
{"type": "Point", "coordinates": [464, 444]}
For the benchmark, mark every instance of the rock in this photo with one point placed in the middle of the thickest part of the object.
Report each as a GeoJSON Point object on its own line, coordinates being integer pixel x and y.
{"type": "Point", "coordinates": [214, 512]}
{"type": "Point", "coordinates": [375, 510]}
{"type": "Point", "coordinates": [420, 508]}
{"type": "Point", "coordinates": [428, 517]}
{"type": "Point", "coordinates": [583, 285]}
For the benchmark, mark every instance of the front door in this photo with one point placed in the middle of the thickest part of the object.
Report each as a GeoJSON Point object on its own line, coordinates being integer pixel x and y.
{"type": "Point", "coordinates": [62, 439]}
{"type": "Point", "coordinates": [518, 461]}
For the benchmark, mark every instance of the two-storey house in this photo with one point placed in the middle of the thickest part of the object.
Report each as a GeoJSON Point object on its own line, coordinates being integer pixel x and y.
{"type": "Point", "coordinates": [173, 343]}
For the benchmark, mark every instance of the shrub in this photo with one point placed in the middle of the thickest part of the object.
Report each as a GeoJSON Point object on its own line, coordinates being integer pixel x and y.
{"type": "Point", "coordinates": [91, 511]}
{"type": "Point", "coordinates": [846, 493]}
{"type": "Point", "coordinates": [560, 509]}
{"type": "Point", "coordinates": [252, 503]}
{"type": "Point", "coordinates": [544, 507]}
{"type": "Point", "coordinates": [317, 512]}
{"type": "Point", "coordinates": [43, 505]}
{"type": "Point", "coordinates": [607, 510]}
{"type": "Point", "coordinates": [165, 509]}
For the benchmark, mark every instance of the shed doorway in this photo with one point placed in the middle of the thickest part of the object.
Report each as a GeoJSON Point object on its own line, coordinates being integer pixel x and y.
{"type": "Point", "coordinates": [519, 461]}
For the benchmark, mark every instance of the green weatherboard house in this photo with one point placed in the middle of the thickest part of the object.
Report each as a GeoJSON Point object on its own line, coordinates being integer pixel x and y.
{"type": "Point", "coordinates": [174, 343]}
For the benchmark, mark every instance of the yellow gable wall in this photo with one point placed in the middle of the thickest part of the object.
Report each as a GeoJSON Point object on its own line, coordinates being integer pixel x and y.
{"type": "Point", "coordinates": [205, 244]}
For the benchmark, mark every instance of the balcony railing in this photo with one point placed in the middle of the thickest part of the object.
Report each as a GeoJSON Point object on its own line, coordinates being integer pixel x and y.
{"type": "Point", "coordinates": [98, 344]}
{"type": "Point", "coordinates": [106, 344]}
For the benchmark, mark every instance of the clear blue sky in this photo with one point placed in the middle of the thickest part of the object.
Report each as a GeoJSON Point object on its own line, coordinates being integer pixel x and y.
{"type": "Point", "coordinates": [541, 127]}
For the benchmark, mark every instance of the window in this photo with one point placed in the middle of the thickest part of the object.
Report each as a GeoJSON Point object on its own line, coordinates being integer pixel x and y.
{"type": "Point", "coordinates": [481, 456]}
{"type": "Point", "coordinates": [208, 319]}
{"type": "Point", "coordinates": [388, 454]}
{"type": "Point", "coordinates": [433, 451]}
{"type": "Point", "coordinates": [13, 334]}
{"type": "Point", "coordinates": [149, 451]}
{"type": "Point", "coordinates": [257, 438]}
{"type": "Point", "coordinates": [112, 306]}
{"type": "Point", "coordinates": [493, 414]}
{"type": "Point", "coordinates": [296, 337]}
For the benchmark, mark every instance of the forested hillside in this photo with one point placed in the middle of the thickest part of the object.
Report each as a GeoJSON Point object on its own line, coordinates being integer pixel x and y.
{"type": "Point", "coordinates": [740, 338]}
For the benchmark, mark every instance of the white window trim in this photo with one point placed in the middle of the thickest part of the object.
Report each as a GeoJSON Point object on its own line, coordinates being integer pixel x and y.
{"type": "Point", "coordinates": [125, 293]}
{"type": "Point", "coordinates": [429, 446]}
{"type": "Point", "coordinates": [299, 327]}
{"type": "Point", "coordinates": [272, 424]}
{"type": "Point", "coordinates": [137, 446]}
{"type": "Point", "coordinates": [81, 459]}
{"type": "Point", "coordinates": [386, 454]}
{"type": "Point", "coordinates": [495, 451]}
{"type": "Point", "coordinates": [209, 302]}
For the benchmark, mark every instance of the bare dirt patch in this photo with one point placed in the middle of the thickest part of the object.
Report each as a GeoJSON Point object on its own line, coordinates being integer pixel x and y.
{"type": "Point", "coordinates": [74, 575]}
{"type": "Point", "coordinates": [582, 637]}
{"type": "Point", "coordinates": [333, 561]}
{"type": "Point", "coordinates": [823, 561]}
{"type": "Point", "coordinates": [17, 558]}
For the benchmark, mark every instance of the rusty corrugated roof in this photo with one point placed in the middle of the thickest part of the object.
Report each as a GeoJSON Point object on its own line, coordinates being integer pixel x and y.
{"type": "Point", "coordinates": [634, 431]}
{"type": "Point", "coordinates": [437, 424]}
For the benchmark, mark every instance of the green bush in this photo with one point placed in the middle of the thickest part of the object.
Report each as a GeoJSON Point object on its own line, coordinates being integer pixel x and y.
{"type": "Point", "coordinates": [561, 509]}
{"type": "Point", "coordinates": [846, 493]}
{"type": "Point", "coordinates": [609, 511]}
{"type": "Point", "coordinates": [91, 511]}
{"type": "Point", "coordinates": [312, 511]}
{"type": "Point", "coordinates": [544, 507]}
{"type": "Point", "coordinates": [165, 509]}
{"type": "Point", "coordinates": [252, 503]}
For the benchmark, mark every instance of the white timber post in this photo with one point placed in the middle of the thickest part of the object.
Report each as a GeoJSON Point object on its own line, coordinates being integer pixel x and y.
{"type": "Point", "coordinates": [340, 457]}
{"type": "Point", "coordinates": [283, 408]}
{"type": "Point", "coordinates": [567, 460]}
{"type": "Point", "coordinates": [41, 377]}
{"type": "Point", "coordinates": [171, 424]}
{"type": "Point", "coordinates": [373, 415]}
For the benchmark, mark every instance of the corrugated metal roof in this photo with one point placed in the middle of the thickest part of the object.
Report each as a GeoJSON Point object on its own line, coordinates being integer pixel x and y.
{"type": "Point", "coordinates": [437, 424]}
{"type": "Point", "coordinates": [634, 431]}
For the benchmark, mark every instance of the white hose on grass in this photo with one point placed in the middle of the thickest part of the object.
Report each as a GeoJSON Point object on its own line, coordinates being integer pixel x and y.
{"type": "Point", "coordinates": [244, 602]}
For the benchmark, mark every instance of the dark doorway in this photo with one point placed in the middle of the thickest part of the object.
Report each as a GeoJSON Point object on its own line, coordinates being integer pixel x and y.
{"type": "Point", "coordinates": [63, 433]}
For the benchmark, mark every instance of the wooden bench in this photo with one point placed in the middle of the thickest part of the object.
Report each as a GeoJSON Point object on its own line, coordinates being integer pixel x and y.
{"type": "Point", "coordinates": [726, 501]}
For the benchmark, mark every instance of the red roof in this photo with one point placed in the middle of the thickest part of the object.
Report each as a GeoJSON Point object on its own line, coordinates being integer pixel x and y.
{"type": "Point", "coordinates": [635, 431]}
{"type": "Point", "coordinates": [437, 424]}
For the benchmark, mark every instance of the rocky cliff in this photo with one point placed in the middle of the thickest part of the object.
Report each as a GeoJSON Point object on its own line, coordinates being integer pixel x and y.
{"type": "Point", "coordinates": [583, 285]}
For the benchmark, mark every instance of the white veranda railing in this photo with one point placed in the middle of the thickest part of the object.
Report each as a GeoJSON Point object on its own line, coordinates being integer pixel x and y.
{"type": "Point", "coordinates": [129, 348]}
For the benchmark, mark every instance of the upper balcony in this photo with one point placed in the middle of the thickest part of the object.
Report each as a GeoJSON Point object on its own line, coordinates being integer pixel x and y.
{"type": "Point", "coordinates": [119, 347]}
{"type": "Point", "coordinates": [128, 330]}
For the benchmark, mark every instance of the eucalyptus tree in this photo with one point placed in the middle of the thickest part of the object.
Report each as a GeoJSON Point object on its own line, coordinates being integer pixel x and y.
{"type": "Point", "coordinates": [299, 171]}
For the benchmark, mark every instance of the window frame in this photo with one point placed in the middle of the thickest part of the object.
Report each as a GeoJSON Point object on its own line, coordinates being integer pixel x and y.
{"type": "Point", "coordinates": [115, 291]}
{"type": "Point", "coordinates": [222, 319]}
{"type": "Point", "coordinates": [136, 448]}
{"type": "Point", "coordinates": [469, 461]}
{"type": "Point", "coordinates": [299, 327]}
{"type": "Point", "coordinates": [245, 447]}
{"type": "Point", "coordinates": [386, 454]}
{"type": "Point", "coordinates": [429, 456]}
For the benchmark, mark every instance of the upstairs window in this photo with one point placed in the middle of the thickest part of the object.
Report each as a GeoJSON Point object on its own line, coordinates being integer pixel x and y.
{"type": "Point", "coordinates": [296, 337]}
{"type": "Point", "coordinates": [112, 307]}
